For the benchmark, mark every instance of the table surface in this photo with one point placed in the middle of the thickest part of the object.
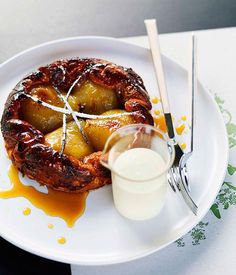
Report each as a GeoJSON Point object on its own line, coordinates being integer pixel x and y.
{"type": "Point", "coordinates": [26, 23]}
{"type": "Point", "coordinates": [191, 255]}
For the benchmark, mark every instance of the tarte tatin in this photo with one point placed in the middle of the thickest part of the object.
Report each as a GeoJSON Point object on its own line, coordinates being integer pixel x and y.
{"type": "Point", "coordinates": [58, 118]}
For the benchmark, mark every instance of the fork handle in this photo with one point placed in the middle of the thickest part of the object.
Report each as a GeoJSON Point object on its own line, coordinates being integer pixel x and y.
{"type": "Point", "coordinates": [152, 32]}
{"type": "Point", "coordinates": [192, 79]}
{"type": "Point", "coordinates": [169, 125]}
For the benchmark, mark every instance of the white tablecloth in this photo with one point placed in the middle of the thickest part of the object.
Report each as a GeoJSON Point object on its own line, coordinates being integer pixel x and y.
{"type": "Point", "coordinates": [210, 248]}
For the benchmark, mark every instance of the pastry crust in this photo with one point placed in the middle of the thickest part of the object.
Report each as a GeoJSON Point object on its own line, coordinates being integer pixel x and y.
{"type": "Point", "coordinates": [25, 144]}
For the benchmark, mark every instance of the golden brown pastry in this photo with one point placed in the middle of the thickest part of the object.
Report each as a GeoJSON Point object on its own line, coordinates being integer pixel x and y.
{"type": "Point", "coordinates": [33, 128]}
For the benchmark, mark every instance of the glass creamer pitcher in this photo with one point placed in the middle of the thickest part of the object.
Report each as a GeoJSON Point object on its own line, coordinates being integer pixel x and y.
{"type": "Point", "coordinates": [139, 157]}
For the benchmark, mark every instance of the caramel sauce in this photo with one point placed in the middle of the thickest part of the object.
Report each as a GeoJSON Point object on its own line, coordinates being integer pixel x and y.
{"type": "Point", "coordinates": [61, 240]}
{"type": "Point", "coordinates": [159, 120]}
{"type": "Point", "coordinates": [183, 145]}
{"type": "Point", "coordinates": [157, 112]}
{"type": "Point", "coordinates": [180, 129]}
{"type": "Point", "coordinates": [155, 100]}
{"type": "Point", "coordinates": [160, 123]}
{"type": "Point", "coordinates": [26, 211]}
{"type": "Point", "coordinates": [50, 226]}
{"type": "Point", "coordinates": [68, 206]}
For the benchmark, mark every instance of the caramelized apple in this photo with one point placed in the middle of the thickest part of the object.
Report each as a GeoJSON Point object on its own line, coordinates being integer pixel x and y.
{"type": "Point", "coordinates": [43, 118]}
{"type": "Point", "coordinates": [94, 99]}
{"type": "Point", "coordinates": [98, 130]}
{"type": "Point", "coordinates": [75, 143]}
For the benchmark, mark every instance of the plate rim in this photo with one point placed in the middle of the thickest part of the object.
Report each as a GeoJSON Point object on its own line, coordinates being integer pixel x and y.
{"type": "Point", "coordinates": [46, 254]}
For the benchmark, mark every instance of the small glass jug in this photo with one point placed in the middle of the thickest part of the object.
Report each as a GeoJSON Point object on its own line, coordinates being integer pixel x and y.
{"type": "Point", "coordinates": [139, 157]}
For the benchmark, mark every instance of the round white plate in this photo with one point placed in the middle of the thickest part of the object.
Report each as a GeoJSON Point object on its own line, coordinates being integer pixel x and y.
{"type": "Point", "coordinates": [101, 236]}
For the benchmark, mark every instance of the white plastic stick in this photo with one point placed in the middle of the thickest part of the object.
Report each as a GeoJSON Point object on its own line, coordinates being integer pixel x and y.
{"type": "Point", "coordinates": [152, 32]}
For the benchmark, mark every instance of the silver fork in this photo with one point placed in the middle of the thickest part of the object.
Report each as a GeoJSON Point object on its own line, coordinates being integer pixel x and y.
{"type": "Point", "coordinates": [174, 176]}
{"type": "Point", "coordinates": [192, 88]}
{"type": "Point", "coordinates": [180, 173]}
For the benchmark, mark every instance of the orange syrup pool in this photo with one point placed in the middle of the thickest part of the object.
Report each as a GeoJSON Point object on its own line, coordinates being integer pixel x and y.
{"type": "Point", "coordinates": [68, 206]}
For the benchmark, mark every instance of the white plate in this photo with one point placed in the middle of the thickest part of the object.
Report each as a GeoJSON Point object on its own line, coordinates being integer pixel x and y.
{"type": "Point", "coordinates": [101, 235]}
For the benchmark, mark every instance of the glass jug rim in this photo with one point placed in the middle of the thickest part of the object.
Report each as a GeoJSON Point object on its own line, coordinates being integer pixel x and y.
{"type": "Point", "coordinates": [169, 143]}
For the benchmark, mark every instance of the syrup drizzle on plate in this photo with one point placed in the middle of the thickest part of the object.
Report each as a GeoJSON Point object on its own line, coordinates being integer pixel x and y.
{"type": "Point", "coordinates": [68, 206]}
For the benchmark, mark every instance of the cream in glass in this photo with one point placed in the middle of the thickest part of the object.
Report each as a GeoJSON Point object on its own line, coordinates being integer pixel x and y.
{"type": "Point", "coordinates": [139, 157]}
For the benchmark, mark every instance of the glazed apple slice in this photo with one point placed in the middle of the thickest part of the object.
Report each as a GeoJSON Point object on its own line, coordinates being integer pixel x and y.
{"type": "Point", "coordinates": [98, 130]}
{"type": "Point", "coordinates": [44, 119]}
{"type": "Point", "coordinates": [93, 99]}
{"type": "Point", "coordinates": [75, 146]}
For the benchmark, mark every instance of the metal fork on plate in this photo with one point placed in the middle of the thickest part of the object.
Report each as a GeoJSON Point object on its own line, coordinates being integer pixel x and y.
{"type": "Point", "coordinates": [177, 176]}
{"type": "Point", "coordinates": [192, 88]}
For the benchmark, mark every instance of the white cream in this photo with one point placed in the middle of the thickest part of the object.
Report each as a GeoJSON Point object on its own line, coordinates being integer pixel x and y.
{"type": "Point", "coordinates": [139, 193]}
